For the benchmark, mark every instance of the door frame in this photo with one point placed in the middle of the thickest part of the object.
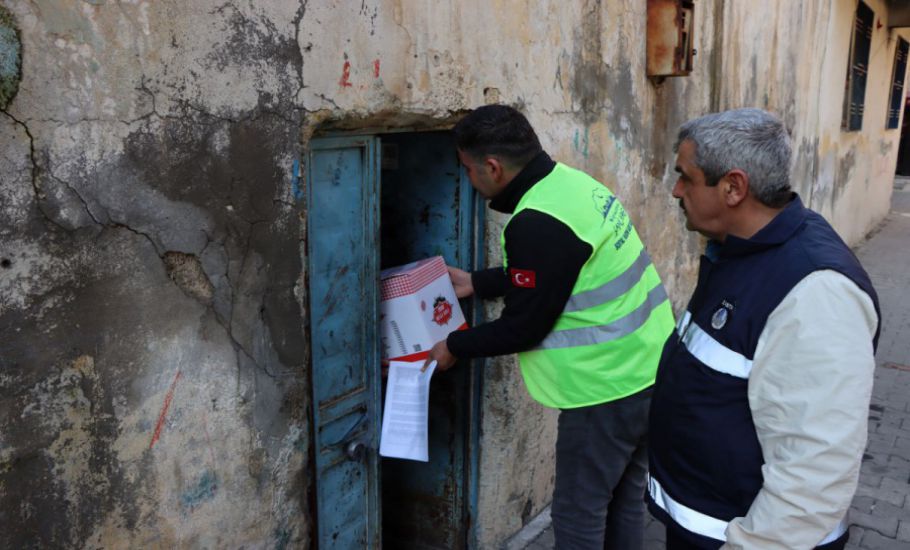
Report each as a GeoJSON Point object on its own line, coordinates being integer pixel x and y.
{"type": "Point", "coordinates": [474, 224]}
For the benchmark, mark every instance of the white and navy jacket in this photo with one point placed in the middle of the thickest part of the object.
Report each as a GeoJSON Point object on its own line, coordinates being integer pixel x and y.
{"type": "Point", "coordinates": [705, 456]}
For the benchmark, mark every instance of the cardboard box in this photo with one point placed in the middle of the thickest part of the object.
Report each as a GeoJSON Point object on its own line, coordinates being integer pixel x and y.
{"type": "Point", "coordinates": [418, 309]}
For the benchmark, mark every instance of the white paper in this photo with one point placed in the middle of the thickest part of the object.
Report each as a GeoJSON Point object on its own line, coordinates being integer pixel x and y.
{"type": "Point", "coordinates": [404, 419]}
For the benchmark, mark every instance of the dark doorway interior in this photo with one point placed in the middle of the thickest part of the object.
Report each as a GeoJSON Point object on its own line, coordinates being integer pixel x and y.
{"type": "Point", "coordinates": [427, 208]}
{"type": "Point", "coordinates": [903, 152]}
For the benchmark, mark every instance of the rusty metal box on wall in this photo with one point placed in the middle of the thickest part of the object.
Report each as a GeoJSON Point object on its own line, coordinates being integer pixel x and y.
{"type": "Point", "coordinates": [670, 40]}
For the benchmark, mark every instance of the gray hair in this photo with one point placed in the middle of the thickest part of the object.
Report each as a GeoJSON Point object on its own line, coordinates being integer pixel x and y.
{"type": "Point", "coordinates": [752, 140]}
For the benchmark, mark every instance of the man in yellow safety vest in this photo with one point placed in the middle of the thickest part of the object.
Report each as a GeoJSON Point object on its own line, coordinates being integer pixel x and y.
{"type": "Point", "coordinates": [584, 309]}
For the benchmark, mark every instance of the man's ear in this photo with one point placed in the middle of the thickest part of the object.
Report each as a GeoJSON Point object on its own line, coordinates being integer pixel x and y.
{"type": "Point", "coordinates": [495, 167]}
{"type": "Point", "coordinates": [735, 187]}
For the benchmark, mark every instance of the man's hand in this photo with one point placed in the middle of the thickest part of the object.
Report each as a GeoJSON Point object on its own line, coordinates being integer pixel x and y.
{"type": "Point", "coordinates": [461, 280]}
{"type": "Point", "coordinates": [443, 357]}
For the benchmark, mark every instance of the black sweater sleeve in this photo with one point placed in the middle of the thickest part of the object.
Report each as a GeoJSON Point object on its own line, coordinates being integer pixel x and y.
{"type": "Point", "coordinates": [541, 248]}
{"type": "Point", "coordinates": [490, 283]}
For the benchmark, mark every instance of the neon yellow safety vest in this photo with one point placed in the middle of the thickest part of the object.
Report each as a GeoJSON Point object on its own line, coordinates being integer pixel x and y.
{"type": "Point", "coordinates": [607, 341]}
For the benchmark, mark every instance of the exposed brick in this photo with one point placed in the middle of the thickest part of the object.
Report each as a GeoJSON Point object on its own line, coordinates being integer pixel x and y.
{"type": "Point", "coordinates": [856, 537]}
{"type": "Point", "coordinates": [896, 487]}
{"type": "Point", "coordinates": [880, 442]}
{"type": "Point", "coordinates": [903, 531]}
{"type": "Point", "coordinates": [890, 491]}
{"type": "Point", "coordinates": [876, 522]}
{"type": "Point", "coordinates": [864, 504]}
{"type": "Point", "coordinates": [870, 480]}
{"type": "Point", "coordinates": [898, 467]}
{"type": "Point", "coordinates": [883, 494]}
{"type": "Point", "coordinates": [892, 419]}
{"type": "Point", "coordinates": [886, 509]}
{"type": "Point", "coordinates": [874, 468]}
{"type": "Point", "coordinates": [889, 430]}
{"type": "Point", "coordinates": [875, 541]}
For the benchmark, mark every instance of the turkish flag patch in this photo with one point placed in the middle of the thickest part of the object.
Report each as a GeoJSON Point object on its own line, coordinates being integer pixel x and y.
{"type": "Point", "coordinates": [523, 278]}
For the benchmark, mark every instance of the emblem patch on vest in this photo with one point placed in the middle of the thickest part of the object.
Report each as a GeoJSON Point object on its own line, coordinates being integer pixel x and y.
{"type": "Point", "coordinates": [721, 315]}
{"type": "Point", "coordinates": [603, 202]}
{"type": "Point", "coordinates": [523, 278]}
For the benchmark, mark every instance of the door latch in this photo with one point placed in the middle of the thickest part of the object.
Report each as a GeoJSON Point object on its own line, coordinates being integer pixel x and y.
{"type": "Point", "coordinates": [355, 450]}
{"type": "Point", "coordinates": [354, 447]}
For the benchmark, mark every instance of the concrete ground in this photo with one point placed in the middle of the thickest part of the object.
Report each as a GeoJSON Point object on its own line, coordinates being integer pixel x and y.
{"type": "Point", "coordinates": [880, 515]}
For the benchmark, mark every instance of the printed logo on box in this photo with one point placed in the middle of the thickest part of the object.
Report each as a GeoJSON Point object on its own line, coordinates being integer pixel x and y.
{"type": "Point", "coordinates": [442, 311]}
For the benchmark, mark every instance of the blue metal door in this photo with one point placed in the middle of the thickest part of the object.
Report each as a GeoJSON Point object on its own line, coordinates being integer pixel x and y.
{"type": "Point", "coordinates": [427, 208]}
{"type": "Point", "coordinates": [342, 254]}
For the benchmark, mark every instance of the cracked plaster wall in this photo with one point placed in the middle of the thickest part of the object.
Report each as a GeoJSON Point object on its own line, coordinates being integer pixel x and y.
{"type": "Point", "coordinates": [153, 363]}
{"type": "Point", "coordinates": [152, 354]}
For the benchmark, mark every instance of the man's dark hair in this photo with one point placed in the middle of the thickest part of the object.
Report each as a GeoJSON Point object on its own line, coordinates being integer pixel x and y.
{"type": "Point", "coordinates": [500, 131]}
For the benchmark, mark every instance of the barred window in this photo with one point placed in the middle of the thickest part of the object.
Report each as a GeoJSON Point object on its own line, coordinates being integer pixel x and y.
{"type": "Point", "coordinates": [897, 83]}
{"type": "Point", "coordinates": [858, 68]}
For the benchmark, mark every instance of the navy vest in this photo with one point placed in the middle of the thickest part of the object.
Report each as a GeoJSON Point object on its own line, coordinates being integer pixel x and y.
{"type": "Point", "coordinates": [704, 451]}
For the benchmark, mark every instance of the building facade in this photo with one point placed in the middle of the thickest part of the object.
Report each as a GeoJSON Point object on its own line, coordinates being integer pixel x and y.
{"type": "Point", "coordinates": [197, 197]}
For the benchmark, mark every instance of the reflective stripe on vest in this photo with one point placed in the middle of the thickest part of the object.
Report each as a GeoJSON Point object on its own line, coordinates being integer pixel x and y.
{"type": "Point", "coordinates": [705, 525]}
{"type": "Point", "coordinates": [611, 331]}
{"type": "Point", "coordinates": [613, 289]}
{"type": "Point", "coordinates": [709, 351]}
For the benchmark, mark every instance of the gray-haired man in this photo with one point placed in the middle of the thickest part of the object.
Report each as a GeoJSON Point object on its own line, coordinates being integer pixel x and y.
{"type": "Point", "coordinates": [758, 418]}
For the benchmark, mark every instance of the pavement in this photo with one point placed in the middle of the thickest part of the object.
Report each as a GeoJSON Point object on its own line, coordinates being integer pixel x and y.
{"type": "Point", "coordinates": [880, 513]}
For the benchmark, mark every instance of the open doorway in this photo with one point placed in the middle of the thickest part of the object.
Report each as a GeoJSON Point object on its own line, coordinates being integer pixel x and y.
{"type": "Point", "coordinates": [377, 201]}
{"type": "Point", "coordinates": [903, 152]}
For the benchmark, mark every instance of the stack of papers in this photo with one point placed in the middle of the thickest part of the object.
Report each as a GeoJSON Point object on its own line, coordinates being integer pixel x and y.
{"type": "Point", "coordinates": [404, 419]}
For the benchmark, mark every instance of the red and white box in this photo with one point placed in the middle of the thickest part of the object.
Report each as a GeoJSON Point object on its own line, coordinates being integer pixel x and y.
{"type": "Point", "coordinates": [418, 308]}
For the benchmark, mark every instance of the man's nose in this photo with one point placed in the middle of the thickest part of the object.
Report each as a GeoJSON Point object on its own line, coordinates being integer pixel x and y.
{"type": "Point", "coordinates": [677, 189]}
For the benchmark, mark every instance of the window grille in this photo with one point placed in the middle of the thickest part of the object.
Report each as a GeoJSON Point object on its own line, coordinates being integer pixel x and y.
{"type": "Point", "coordinates": [897, 83]}
{"type": "Point", "coordinates": [858, 69]}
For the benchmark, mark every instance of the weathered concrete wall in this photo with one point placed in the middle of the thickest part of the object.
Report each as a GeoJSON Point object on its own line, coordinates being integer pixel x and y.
{"type": "Point", "coordinates": [152, 354]}
{"type": "Point", "coordinates": [791, 58]}
{"type": "Point", "coordinates": [580, 78]}
{"type": "Point", "coordinates": [152, 349]}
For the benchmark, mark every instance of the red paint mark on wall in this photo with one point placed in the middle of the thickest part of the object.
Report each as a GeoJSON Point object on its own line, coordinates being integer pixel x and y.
{"type": "Point", "coordinates": [163, 414]}
{"type": "Point", "coordinates": [345, 81]}
{"type": "Point", "coordinates": [375, 68]}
